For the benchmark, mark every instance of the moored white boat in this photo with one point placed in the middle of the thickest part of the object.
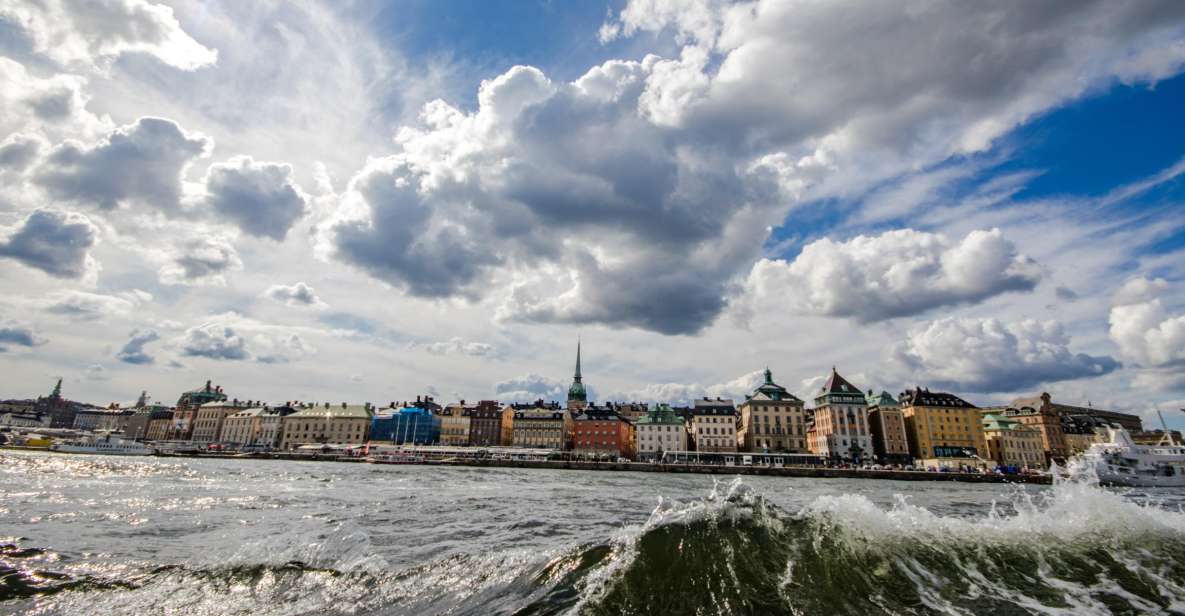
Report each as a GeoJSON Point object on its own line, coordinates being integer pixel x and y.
{"type": "Point", "coordinates": [1122, 462]}
{"type": "Point", "coordinates": [107, 444]}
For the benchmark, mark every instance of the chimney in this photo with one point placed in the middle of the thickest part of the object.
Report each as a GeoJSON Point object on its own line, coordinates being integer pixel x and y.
{"type": "Point", "coordinates": [343, 405]}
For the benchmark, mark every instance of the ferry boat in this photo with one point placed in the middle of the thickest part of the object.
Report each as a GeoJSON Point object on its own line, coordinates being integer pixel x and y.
{"type": "Point", "coordinates": [103, 444]}
{"type": "Point", "coordinates": [1121, 462]}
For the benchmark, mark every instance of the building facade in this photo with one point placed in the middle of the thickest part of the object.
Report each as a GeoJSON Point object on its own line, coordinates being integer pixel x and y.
{"type": "Point", "coordinates": [345, 424]}
{"type": "Point", "coordinates": [101, 420]}
{"type": "Point", "coordinates": [485, 424]}
{"type": "Point", "coordinates": [841, 430]}
{"type": "Point", "coordinates": [138, 423]}
{"type": "Point", "coordinates": [600, 432]}
{"type": "Point", "coordinates": [241, 428]}
{"type": "Point", "coordinates": [209, 417]}
{"type": "Point", "coordinates": [658, 431]}
{"type": "Point", "coordinates": [1011, 443]}
{"type": "Point", "coordinates": [772, 419]}
{"type": "Point", "coordinates": [409, 425]}
{"type": "Point", "coordinates": [540, 425]}
{"type": "Point", "coordinates": [943, 429]}
{"type": "Point", "coordinates": [456, 420]}
{"type": "Point", "coordinates": [187, 408]}
{"type": "Point", "coordinates": [886, 425]}
{"type": "Point", "coordinates": [714, 425]}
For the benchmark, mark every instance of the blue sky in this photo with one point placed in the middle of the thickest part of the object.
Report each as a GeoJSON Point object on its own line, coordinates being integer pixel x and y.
{"type": "Point", "coordinates": [376, 200]}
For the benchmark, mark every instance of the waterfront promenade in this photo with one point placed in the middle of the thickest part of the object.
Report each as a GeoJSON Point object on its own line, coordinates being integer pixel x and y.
{"type": "Point", "coordinates": [643, 467]}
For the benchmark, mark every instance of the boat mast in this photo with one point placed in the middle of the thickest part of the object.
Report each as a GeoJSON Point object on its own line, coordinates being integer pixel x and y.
{"type": "Point", "coordinates": [1167, 439]}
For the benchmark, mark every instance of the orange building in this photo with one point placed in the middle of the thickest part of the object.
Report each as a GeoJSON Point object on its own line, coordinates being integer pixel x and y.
{"type": "Point", "coordinates": [602, 432]}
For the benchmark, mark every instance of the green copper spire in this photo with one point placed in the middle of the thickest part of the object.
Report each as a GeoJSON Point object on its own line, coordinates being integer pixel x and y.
{"type": "Point", "coordinates": [576, 393]}
{"type": "Point", "coordinates": [57, 390]}
{"type": "Point", "coordinates": [769, 376]}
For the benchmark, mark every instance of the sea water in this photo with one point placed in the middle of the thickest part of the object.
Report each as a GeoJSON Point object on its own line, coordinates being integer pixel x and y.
{"type": "Point", "coordinates": [133, 535]}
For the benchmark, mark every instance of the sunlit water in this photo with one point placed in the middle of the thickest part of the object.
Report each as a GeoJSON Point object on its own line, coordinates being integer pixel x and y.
{"type": "Point", "coordinates": [124, 535]}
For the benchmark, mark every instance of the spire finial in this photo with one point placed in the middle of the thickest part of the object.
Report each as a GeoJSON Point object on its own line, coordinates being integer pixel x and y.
{"type": "Point", "coordinates": [769, 376]}
{"type": "Point", "coordinates": [577, 376]}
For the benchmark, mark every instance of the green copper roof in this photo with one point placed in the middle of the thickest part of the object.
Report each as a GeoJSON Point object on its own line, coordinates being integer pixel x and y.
{"type": "Point", "coordinates": [661, 414]}
{"type": "Point", "coordinates": [772, 390]}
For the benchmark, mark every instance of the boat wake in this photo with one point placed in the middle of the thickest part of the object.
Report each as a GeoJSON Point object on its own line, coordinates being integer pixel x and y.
{"type": "Point", "coordinates": [1073, 549]}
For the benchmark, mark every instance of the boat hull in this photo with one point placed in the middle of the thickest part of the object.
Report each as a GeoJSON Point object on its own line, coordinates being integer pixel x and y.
{"type": "Point", "coordinates": [101, 452]}
{"type": "Point", "coordinates": [1137, 481]}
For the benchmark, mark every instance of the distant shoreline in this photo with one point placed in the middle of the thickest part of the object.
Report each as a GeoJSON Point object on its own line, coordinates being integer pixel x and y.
{"type": "Point", "coordinates": [641, 467]}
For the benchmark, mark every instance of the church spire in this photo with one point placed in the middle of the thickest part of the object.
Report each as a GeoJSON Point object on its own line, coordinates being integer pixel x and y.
{"type": "Point", "coordinates": [577, 395]}
{"type": "Point", "coordinates": [576, 377]}
{"type": "Point", "coordinates": [57, 390]}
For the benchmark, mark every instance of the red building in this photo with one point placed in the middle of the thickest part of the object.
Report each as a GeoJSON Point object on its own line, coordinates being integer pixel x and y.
{"type": "Point", "coordinates": [602, 432]}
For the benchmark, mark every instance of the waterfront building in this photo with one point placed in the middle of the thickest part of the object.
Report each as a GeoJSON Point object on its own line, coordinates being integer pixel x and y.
{"type": "Point", "coordinates": [143, 414]}
{"type": "Point", "coordinates": [886, 425]}
{"type": "Point", "coordinates": [600, 432]}
{"type": "Point", "coordinates": [101, 420]}
{"type": "Point", "coordinates": [209, 417]}
{"type": "Point", "coordinates": [61, 411]}
{"type": "Point", "coordinates": [159, 422]}
{"type": "Point", "coordinates": [187, 408]}
{"type": "Point", "coordinates": [271, 425]}
{"type": "Point", "coordinates": [540, 425]}
{"type": "Point", "coordinates": [1011, 443]}
{"type": "Point", "coordinates": [455, 423]}
{"type": "Point", "coordinates": [346, 424]}
{"type": "Point", "coordinates": [772, 419]}
{"type": "Point", "coordinates": [943, 429]}
{"type": "Point", "coordinates": [658, 431]}
{"type": "Point", "coordinates": [485, 424]}
{"type": "Point", "coordinates": [241, 428]}
{"type": "Point", "coordinates": [1048, 417]}
{"type": "Point", "coordinates": [714, 425]}
{"type": "Point", "coordinates": [841, 421]}
{"type": "Point", "coordinates": [1082, 431]}
{"type": "Point", "coordinates": [577, 396]}
{"type": "Point", "coordinates": [411, 425]}
{"type": "Point", "coordinates": [24, 419]}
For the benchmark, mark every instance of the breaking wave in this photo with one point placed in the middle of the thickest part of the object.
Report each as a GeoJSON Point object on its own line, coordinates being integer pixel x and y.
{"type": "Point", "coordinates": [1074, 549]}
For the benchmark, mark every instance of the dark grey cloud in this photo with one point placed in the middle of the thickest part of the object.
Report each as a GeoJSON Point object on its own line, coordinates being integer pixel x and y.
{"type": "Point", "coordinates": [1065, 294]}
{"type": "Point", "coordinates": [214, 341]}
{"type": "Point", "coordinates": [204, 260]}
{"type": "Point", "coordinates": [57, 243]}
{"type": "Point", "coordinates": [133, 351]}
{"type": "Point", "coordinates": [401, 245]}
{"type": "Point", "coordinates": [19, 151]}
{"type": "Point", "coordinates": [259, 197]}
{"type": "Point", "coordinates": [139, 163]}
{"type": "Point", "coordinates": [12, 334]}
{"type": "Point", "coordinates": [299, 294]}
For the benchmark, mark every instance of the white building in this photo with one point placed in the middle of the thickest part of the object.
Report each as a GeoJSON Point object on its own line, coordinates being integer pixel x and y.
{"type": "Point", "coordinates": [658, 431]}
{"type": "Point", "coordinates": [714, 425]}
{"type": "Point", "coordinates": [841, 430]}
{"type": "Point", "coordinates": [19, 419]}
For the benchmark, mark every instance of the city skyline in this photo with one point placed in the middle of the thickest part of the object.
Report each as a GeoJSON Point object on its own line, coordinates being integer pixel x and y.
{"type": "Point", "coordinates": [379, 199]}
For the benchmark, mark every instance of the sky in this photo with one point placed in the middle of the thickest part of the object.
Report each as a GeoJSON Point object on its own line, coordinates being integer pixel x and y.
{"type": "Point", "coordinates": [368, 201]}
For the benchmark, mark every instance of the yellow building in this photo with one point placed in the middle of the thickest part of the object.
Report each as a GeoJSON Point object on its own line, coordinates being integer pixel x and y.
{"type": "Point", "coordinates": [942, 428]}
{"type": "Point", "coordinates": [1012, 443]}
{"type": "Point", "coordinates": [772, 419]}
{"type": "Point", "coordinates": [455, 421]}
{"type": "Point", "coordinates": [537, 425]}
{"type": "Point", "coordinates": [242, 427]}
{"type": "Point", "coordinates": [339, 425]}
